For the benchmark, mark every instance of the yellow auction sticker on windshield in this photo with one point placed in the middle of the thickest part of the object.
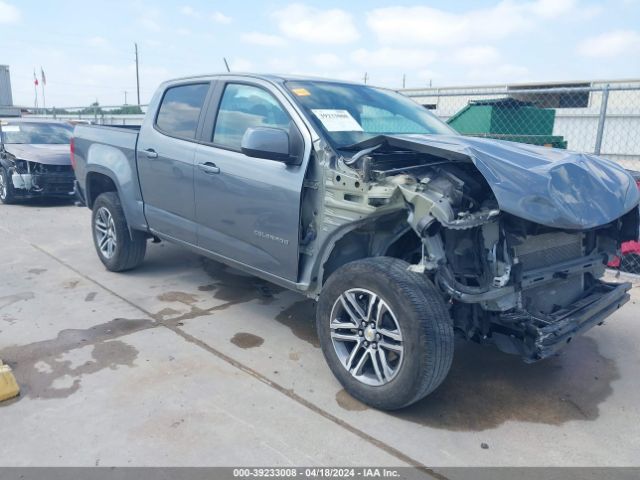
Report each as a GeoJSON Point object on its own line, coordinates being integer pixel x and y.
{"type": "Point", "coordinates": [301, 92]}
{"type": "Point", "coordinates": [337, 120]}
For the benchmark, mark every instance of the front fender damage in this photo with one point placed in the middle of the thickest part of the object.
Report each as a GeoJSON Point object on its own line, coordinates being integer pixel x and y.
{"type": "Point", "coordinates": [519, 276]}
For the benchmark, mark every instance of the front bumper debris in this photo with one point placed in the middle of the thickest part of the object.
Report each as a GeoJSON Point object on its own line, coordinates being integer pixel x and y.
{"type": "Point", "coordinates": [546, 334]}
{"type": "Point", "coordinates": [44, 180]}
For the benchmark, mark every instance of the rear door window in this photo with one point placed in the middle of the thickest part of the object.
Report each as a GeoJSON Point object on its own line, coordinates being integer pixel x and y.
{"type": "Point", "coordinates": [180, 110]}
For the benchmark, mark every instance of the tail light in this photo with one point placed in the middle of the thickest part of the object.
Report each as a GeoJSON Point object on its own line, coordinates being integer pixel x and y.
{"type": "Point", "coordinates": [72, 148]}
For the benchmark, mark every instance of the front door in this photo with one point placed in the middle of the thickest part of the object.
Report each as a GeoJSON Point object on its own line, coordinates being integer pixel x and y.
{"type": "Point", "coordinates": [248, 209]}
{"type": "Point", "coordinates": [165, 153]}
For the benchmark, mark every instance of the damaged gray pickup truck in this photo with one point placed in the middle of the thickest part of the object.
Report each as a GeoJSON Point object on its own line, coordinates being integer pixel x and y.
{"type": "Point", "coordinates": [404, 231]}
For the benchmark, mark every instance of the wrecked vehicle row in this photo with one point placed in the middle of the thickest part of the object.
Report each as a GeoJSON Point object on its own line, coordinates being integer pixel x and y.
{"type": "Point", "coordinates": [34, 159]}
{"type": "Point", "coordinates": [404, 232]}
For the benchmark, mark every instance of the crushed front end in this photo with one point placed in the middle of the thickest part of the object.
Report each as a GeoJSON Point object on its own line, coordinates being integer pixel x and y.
{"type": "Point", "coordinates": [33, 179]}
{"type": "Point", "coordinates": [520, 268]}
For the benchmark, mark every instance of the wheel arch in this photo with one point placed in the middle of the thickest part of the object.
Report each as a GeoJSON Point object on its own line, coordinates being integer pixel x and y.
{"type": "Point", "coordinates": [372, 237]}
{"type": "Point", "coordinates": [99, 179]}
{"type": "Point", "coordinates": [98, 182]}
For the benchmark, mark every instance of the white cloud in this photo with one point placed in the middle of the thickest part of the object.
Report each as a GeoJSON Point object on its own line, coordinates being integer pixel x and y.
{"type": "Point", "coordinates": [183, 31]}
{"type": "Point", "coordinates": [98, 42]}
{"type": "Point", "coordinates": [479, 55]}
{"type": "Point", "coordinates": [611, 44]}
{"type": "Point", "coordinates": [326, 60]}
{"type": "Point", "coordinates": [506, 73]}
{"type": "Point", "coordinates": [220, 17]}
{"type": "Point", "coordinates": [150, 24]}
{"type": "Point", "coordinates": [393, 57]}
{"type": "Point", "coordinates": [433, 26]}
{"type": "Point", "coordinates": [188, 11]}
{"type": "Point", "coordinates": [8, 13]}
{"type": "Point", "coordinates": [240, 65]}
{"type": "Point", "coordinates": [313, 25]}
{"type": "Point", "coordinates": [552, 8]}
{"type": "Point", "coordinates": [281, 64]}
{"type": "Point", "coordinates": [264, 39]}
{"type": "Point", "coordinates": [427, 75]}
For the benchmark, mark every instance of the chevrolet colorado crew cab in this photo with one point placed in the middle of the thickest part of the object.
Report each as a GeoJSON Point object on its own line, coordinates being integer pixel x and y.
{"type": "Point", "coordinates": [402, 230]}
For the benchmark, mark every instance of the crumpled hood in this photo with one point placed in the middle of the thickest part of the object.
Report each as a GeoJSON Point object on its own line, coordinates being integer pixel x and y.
{"type": "Point", "coordinates": [553, 187]}
{"type": "Point", "coordinates": [41, 153]}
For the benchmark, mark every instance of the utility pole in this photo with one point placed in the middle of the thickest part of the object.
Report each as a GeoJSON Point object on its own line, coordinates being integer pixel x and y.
{"type": "Point", "coordinates": [404, 80]}
{"type": "Point", "coordinates": [366, 77]}
{"type": "Point", "coordinates": [137, 77]}
{"type": "Point", "coordinates": [125, 97]}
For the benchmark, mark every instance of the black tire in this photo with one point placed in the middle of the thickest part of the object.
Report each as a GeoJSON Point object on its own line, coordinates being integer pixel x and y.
{"type": "Point", "coordinates": [7, 195]}
{"type": "Point", "coordinates": [130, 247]}
{"type": "Point", "coordinates": [421, 315]}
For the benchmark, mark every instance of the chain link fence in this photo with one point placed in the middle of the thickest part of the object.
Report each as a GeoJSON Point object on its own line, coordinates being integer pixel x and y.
{"type": "Point", "coordinates": [603, 119]}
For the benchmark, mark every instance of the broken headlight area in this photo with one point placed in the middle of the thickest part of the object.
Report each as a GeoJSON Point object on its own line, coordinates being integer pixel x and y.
{"type": "Point", "coordinates": [529, 288]}
{"type": "Point", "coordinates": [33, 178]}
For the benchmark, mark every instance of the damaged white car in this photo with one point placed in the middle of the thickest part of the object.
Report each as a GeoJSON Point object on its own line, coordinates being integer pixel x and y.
{"type": "Point", "coordinates": [34, 159]}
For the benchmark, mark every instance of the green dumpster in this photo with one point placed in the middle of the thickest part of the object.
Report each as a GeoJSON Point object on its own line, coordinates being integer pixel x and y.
{"type": "Point", "coordinates": [508, 119]}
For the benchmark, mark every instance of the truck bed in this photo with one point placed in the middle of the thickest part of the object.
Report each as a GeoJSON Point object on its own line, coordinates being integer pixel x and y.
{"type": "Point", "coordinates": [110, 151]}
{"type": "Point", "coordinates": [117, 136]}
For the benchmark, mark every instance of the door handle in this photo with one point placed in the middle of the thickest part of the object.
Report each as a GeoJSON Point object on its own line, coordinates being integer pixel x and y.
{"type": "Point", "coordinates": [151, 153]}
{"type": "Point", "coordinates": [209, 167]}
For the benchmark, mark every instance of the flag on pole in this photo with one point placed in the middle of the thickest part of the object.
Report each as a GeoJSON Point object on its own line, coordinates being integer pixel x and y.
{"type": "Point", "coordinates": [44, 79]}
{"type": "Point", "coordinates": [35, 79]}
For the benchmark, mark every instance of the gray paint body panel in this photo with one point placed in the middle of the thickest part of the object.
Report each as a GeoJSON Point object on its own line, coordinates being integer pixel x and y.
{"type": "Point", "coordinates": [110, 151]}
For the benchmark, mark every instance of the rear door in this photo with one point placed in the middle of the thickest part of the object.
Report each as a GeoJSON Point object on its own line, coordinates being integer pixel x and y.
{"type": "Point", "coordinates": [165, 152]}
{"type": "Point", "coordinates": [248, 209]}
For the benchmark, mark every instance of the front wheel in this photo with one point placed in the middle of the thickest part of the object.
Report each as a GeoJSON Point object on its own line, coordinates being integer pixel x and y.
{"type": "Point", "coordinates": [117, 248]}
{"type": "Point", "coordinates": [385, 332]}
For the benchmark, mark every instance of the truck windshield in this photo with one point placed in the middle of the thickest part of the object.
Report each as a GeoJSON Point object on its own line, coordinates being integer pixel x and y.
{"type": "Point", "coordinates": [350, 114]}
{"type": "Point", "coordinates": [35, 133]}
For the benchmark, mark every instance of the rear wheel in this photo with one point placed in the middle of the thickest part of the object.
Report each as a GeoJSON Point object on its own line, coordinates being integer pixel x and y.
{"type": "Point", "coordinates": [385, 332]}
{"type": "Point", "coordinates": [7, 194]}
{"type": "Point", "coordinates": [117, 247]}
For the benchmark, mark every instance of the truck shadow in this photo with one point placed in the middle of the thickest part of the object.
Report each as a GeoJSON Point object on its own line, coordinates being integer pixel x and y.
{"type": "Point", "coordinates": [486, 388]}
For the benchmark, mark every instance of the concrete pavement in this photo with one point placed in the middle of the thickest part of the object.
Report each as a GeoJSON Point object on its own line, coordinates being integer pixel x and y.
{"type": "Point", "coordinates": [186, 362]}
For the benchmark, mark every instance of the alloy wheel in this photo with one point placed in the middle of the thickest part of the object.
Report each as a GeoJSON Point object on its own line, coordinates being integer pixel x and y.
{"type": "Point", "coordinates": [3, 186]}
{"type": "Point", "coordinates": [366, 337]}
{"type": "Point", "coordinates": [105, 231]}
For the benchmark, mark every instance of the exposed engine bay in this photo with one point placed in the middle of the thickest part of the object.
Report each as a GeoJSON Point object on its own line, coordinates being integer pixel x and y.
{"type": "Point", "coordinates": [528, 287]}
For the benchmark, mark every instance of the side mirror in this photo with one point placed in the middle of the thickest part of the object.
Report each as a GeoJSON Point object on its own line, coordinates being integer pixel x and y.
{"type": "Point", "coordinates": [266, 142]}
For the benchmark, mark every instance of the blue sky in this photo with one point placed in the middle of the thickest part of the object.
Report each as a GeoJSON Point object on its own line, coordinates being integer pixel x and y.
{"type": "Point", "coordinates": [86, 47]}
